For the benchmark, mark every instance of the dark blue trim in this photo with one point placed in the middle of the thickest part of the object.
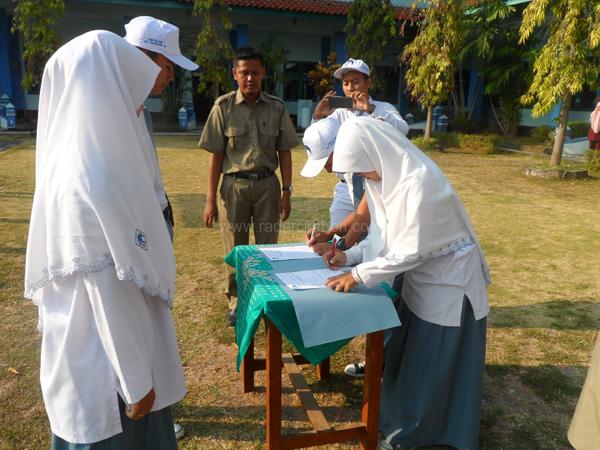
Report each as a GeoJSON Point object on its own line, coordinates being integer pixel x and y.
{"type": "Point", "coordinates": [340, 46]}
{"type": "Point", "coordinates": [241, 36]}
{"type": "Point", "coordinates": [478, 109]}
{"type": "Point", "coordinates": [10, 58]}
{"type": "Point", "coordinates": [5, 84]}
{"type": "Point", "coordinates": [325, 48]}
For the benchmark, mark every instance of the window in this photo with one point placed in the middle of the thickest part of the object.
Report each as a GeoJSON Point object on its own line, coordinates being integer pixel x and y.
{"type": "Point", "coordinates": [296, 82]}
{"type": "Point", "coordinates": [584, 101]}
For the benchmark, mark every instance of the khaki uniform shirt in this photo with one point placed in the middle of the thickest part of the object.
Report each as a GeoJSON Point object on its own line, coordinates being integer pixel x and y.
{"type": "Point", "coordinates": [250, 136]}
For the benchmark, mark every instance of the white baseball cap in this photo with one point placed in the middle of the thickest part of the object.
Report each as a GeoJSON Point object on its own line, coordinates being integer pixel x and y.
{"type": "Point", "coordinates": [157, 36]}
{"type": "Point", "coordinates": [319, 142]}
{"type": "Point", "coordinates": [356, 65]}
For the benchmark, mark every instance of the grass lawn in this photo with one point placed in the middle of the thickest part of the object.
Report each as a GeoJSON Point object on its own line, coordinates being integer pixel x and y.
{"type": "Point", "coordinates": [541, 240]}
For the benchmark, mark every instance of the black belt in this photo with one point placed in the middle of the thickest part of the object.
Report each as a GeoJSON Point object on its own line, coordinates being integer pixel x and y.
{"type": "Point", "coordinates": [254, 176]}
{"type": "Point", "coordinates": [343, 181]}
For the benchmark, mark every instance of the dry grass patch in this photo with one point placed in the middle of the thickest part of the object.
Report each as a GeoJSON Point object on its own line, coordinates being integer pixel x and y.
{"type": "Point", "coordinates": [540, 237]}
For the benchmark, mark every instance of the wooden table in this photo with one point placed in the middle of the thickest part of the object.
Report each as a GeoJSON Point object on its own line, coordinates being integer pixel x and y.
{"type": "Point", "coordinates": [322, 433]}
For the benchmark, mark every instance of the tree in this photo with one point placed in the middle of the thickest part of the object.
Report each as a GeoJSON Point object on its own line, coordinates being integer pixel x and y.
{"type": "Point", "coordinates": [213, 49]}
{"type": "Point", "coordinates": [35, 19]}
{"type": "Point", "coordinates": [565, 63]}
{"type": "Point", "coordinates": [430, 57]}
{"type": "Point", "coordinates": [492, 44]}
{"type": "Point", "coordinates": [321, 77]}
{"type": "Point", "coordinates": [275, 58]}
{"type": "Point", "coordinates": [370, 28]}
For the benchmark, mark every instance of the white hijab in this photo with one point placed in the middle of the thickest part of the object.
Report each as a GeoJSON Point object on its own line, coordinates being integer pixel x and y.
{"type": "Point", "coordinates": [415, 213]}
{"type": "Point", "coordinates": [94, 204]}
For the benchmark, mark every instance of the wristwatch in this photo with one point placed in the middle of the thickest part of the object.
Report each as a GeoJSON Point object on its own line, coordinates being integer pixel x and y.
{"type": "Point", "coordinates": [340, 244]}
{"type": "Point", "coordinates": [289, 189]}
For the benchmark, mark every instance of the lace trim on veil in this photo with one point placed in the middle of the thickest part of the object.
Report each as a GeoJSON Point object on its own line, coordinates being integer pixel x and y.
{"type": "Point", "coordinates": [142, 282]}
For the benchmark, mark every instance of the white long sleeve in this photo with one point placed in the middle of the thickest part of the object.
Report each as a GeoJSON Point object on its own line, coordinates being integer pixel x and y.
{"type": "Point", "coordinates": [103, 337]}
{"type": "Point", "coordinates": [124, 327]}
{"type": "Point", "coordinates": [390, 114]}
{"type": "Point", "coordinates": [433, 288]}
{"type": "Point", "coordinates": [385, 111]}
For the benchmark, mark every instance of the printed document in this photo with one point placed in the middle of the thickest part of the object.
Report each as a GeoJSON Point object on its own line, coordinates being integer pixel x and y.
{"type": "Point", "coordinates": [284, 252]}
{"type": "Point", "coordinates": [309, 279]}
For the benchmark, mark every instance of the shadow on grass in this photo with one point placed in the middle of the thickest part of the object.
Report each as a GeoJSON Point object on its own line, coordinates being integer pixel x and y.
{"type": "Point", "coordinates": [529, 407]}
{"type": "Point", "coordinates": [247, 423]}
{"type": "Point", "coordinates": [513, 414]}
{"type": "Point", "coordinates": [244, 423]}
{"type": "Point", "coordinates": [16, 194]}
{"type": "Point", "coordinates": [13, 250]}
{"type": "Point", "coordinates": [188, 209]}
{"type": "Point", "coordinates": [558, 314]}
{"type": "Point", "coordinates": [10, 220]}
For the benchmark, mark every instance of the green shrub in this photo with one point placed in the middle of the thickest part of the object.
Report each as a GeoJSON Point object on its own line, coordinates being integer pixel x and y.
{"type": "Point", "coordinates": [542, 133]}
{"type": "Point", "coordinates": [431, 145]}
{"type": "Point", "coordinates": [579, 129]}
{"type": "Point", "coordinates": [447, 140]}
{"type": "Point", "coordinates": [593, 162]}
{"type": "Point", "coordinates": [478, 143]}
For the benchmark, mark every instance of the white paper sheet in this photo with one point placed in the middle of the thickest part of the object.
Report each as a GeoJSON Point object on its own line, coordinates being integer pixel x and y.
{"type": "Point", "coordinates": [309, 279]}
{"type": "Point", "coordinates": [284, 252]}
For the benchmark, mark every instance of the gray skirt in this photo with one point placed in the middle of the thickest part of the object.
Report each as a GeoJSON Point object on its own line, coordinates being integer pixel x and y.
{"type": "Point", "coordinates": [433, 381]}
{"type": "Point", "coordinates": [153, 432]}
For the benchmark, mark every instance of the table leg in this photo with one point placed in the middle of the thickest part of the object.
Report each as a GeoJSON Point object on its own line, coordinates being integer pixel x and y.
{"type": "Point", "coordinates": [323, 370]}
{"type": "Point", "coordinates": [248, 369]}
{"type": "Point", "coordinates": [372, 389]}
{"type": "Point", "coordinates": [273, 382]}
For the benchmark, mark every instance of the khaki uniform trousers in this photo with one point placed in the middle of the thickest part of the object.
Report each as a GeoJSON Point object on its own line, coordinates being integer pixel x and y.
{"type": "Point", "coordinates": [244, 204]}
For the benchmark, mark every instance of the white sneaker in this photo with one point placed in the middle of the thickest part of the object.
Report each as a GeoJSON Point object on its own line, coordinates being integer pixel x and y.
{"type": "Point", "coordinates": [356, 370]}
{"type": "Point", "coordinates": [179, 431]}
{"type": "Point", "coordinates": [384, 445]}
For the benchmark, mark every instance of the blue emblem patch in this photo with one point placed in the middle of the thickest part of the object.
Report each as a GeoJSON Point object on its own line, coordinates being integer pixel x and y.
{"type": "Point", "coordinates": [140, 239]}
{"type": "Point", "coordinates": [156, 42]}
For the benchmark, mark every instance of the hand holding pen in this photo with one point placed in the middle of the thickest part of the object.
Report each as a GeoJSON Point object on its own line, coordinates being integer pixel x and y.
{"type": "Point", "coordinates": [334, 258]}
{"type": "Point", "coordinates": [311, 237]}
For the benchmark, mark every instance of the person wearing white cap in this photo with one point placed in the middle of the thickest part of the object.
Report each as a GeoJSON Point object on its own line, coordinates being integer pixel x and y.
{"type": "Point", "coordinates": [157, 36]}
{"type": "Point", "coordinates": [99, 262]}
{"type": "Point", "coordinates": [160, 41]}
{"type": "Point", "coordinates": [319, 142]}
{"type": "Point", "coordinates": [355, 76]}
{"type": "Point", "coordinates": [356, 83]}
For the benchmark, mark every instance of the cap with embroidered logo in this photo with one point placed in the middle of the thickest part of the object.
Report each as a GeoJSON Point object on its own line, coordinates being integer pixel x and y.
{"type": "Point", "coordinates": [319, 142]}
{"type": "Point", "coordinates": [157, 36]}
{"type": "Point", "coordinates": [352, 65]}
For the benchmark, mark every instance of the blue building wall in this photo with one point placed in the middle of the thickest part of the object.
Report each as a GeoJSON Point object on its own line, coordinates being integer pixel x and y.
{"type": "Point", "coordinates": [10, 71]}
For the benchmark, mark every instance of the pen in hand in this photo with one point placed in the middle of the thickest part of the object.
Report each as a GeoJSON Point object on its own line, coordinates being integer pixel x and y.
{"type": "Point", "coordinates": [312, 233]}
{"type": "Point", "coordinates": [333, 242]}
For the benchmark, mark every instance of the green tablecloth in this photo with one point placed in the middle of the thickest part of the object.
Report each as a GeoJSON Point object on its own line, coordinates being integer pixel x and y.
{"type": "Point", "coordinates": [260, 294]}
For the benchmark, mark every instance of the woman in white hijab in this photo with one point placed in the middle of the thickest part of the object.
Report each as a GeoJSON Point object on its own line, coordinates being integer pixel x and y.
{"type": "Point", "coordinates": [434, 362]}
{"type": "Point", "coordinates": [100, 264]}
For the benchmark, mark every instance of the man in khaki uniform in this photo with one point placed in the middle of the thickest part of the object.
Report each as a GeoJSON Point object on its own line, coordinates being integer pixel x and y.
{"type": "Point", "coordinates": [248, 134]}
